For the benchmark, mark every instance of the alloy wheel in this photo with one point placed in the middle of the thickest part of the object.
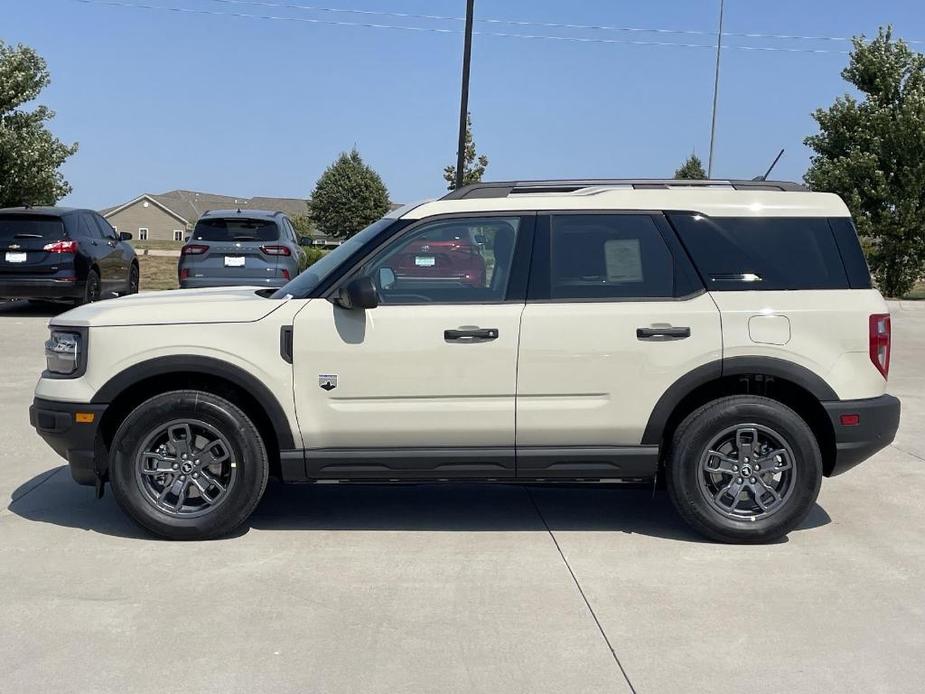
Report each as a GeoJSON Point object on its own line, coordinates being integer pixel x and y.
{"type": "Point", "coordinates": [185, 468]}
{"type": "Point", "coordinates": [747, 472]}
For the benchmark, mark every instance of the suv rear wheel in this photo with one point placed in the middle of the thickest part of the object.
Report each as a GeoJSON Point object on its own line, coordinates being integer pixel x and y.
{"type": "Point", "coordinates": [188, 465]}
{"type": "Point", "coordinates": [744, 469]}
{"type": "Point", "coordinates": [92, 289]}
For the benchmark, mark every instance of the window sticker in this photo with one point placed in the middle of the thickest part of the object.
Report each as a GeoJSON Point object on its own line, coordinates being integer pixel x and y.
{"type": "Point", "coordinates": [623, 259]}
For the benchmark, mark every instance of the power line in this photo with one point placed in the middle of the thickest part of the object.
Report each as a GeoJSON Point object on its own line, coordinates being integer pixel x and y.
{"type": "Point", "coordinates": [438, 30]}
{"type": "Point", "coordinates": [548, 25]}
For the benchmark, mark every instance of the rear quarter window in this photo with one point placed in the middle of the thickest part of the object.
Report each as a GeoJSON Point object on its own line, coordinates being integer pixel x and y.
{"type": "Point", "coordinates": [762, 253]}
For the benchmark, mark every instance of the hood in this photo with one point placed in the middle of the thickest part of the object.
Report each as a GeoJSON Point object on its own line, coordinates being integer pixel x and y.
{"type": "Point", "coordinates": [213, 305]}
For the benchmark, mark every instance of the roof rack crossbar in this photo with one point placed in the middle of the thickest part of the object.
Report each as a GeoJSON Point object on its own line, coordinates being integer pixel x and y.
{"type": "Point", "coordinates": [502, 189]}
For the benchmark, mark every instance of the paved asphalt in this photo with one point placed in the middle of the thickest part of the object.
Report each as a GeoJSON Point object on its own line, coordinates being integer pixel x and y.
{"type": "Point", "coordinates": [459, 588]}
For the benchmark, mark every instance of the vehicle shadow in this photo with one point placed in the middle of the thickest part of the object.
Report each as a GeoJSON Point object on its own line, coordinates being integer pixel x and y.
{"type": "Point", "coordinates": [53, 498]}
{"type": "Point", "coordinates": [29, 309]}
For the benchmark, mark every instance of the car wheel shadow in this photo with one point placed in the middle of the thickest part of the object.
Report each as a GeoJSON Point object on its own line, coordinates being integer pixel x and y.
{"type": "Point", "coordinates": [53, 498]}
{"type": "Point", "coordinates": [31, 309]}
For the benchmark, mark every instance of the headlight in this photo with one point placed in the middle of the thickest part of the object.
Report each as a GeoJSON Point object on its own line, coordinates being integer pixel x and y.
{"type": "Point", "coordinates": [63, 352]}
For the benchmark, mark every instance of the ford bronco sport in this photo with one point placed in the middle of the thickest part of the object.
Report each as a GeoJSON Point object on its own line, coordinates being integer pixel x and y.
{"type": "Point", "coordinates": [720, 335]}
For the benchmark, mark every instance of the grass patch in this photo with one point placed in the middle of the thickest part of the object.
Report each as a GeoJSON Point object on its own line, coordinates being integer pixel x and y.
{"type": "Point", "coordinates": [157, 273]}
{"type": "Point", "coordinates": [156, 245]}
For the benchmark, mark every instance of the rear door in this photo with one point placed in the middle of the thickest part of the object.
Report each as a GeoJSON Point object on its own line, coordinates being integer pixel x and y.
{"type": "Point", "coordinates": [103, 254]}
{"type": "Point", "coordinates": [614, 316]}
{"type": "Point", "coordinates": [23, 238]}
{"type": "Point", "coordinates": [117, 259]}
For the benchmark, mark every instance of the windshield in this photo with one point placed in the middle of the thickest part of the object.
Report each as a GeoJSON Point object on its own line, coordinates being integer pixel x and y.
{"type": "Point", "coordinates": [24, 227]}
{"type": "Point", "coordinates": [320, 270]}
{"type": "Point", "coordinates": [235, 230]}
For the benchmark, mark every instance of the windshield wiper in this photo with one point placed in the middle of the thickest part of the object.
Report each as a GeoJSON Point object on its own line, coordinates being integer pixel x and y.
{"type": "Point", "coordinates": [28, 236]}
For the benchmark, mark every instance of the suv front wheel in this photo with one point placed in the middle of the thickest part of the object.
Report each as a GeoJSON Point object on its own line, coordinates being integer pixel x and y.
{"type": "Point", "coordinates": [744, 469]}
{"type": "Point", "coordinates": [188, 465]}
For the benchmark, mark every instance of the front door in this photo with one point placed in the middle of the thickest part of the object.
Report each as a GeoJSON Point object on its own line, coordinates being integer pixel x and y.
{"type": "Point", "coordinates": [614, 317]}
{"type": "Point", "coordinates": [423, 385]}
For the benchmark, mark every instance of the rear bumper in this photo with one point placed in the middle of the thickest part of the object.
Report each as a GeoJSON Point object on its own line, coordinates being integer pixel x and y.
{"type": "Point", "coordinates": [39, 288]}
{"type": "Point", "coordinates": [76, 442]}
{"type": "Point", "coordinates": [878, 420]}
{"type": "Point", "coordinates": [206, 282]}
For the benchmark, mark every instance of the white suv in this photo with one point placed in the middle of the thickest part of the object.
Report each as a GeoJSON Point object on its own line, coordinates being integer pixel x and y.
{"type": "Point", "coordinates": [723, 334]}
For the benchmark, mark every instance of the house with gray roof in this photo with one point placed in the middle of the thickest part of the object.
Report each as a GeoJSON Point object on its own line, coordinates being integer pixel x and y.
{"type": "Point", "coordinates": [170, 216]}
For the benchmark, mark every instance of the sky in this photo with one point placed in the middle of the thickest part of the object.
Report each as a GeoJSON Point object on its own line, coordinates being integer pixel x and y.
{"type": "Point", "coordinates": [245, 106]}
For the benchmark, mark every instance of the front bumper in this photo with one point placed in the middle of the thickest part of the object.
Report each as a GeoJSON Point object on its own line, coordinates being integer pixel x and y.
{"type": "Point", "coordinates": [71, 436]}
{"type": "Point", "coordinates": [40, 288]}
{"type": "Point", "coordinates": [878, 420]}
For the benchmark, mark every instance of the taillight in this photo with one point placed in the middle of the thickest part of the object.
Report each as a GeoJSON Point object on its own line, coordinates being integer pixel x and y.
{"type": "Point", "coordinates": [194, 249]}
{"type": "Point", "coordinates": [880, 333]}
{"type": "Point", "coordinates": [61, 247]}
{"type": "Point", "coordinates": [184, 274]}
{"type": "Point", "coordinates": [276, 250]}
{"type": "Point", "coordinates": [285, 274]}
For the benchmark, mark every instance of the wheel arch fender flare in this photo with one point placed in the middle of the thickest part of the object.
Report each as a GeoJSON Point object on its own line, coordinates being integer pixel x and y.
{"type": "Point", "coordinates": [732, 366]}
{"type": "Point", "coordinates": [209, 366]}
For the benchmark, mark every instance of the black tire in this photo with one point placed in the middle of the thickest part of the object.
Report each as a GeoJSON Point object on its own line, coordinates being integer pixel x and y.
{"type": "Point", "coordinates": [92, 289]}
{"type": "Point", "coordinates": [246, 465]}
{"type": "Point", "coordinates": [693, 485]}
{"type": "Point", "coordinates": [133, 279]}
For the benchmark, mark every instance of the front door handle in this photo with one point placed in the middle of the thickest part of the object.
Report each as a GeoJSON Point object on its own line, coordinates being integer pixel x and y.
{"type": "Point", "coordinates": [663, 334]}
{"type": "Point", "coordinates": [470, 335]}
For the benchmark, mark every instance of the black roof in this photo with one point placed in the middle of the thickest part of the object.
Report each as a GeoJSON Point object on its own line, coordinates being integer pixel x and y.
{"type": "Point", "coordinates": [501, 189]}
{"type": "Point", "coordinates": [42, 211]}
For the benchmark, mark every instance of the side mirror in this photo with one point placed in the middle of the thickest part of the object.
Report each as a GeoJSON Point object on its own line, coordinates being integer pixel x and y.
{"type": "Point", "coordinates": [125, 236]}
{"type": "Point", "coordinates": [305, 240]}
{"type": "Point", "coordinates": [359, 293]}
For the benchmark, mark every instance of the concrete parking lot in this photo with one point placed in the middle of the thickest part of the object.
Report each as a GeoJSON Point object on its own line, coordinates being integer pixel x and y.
{"type": "Point", "coordinates": [459, 588]}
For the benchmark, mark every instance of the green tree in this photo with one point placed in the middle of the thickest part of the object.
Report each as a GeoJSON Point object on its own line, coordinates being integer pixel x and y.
{"type": "Point", "coordinates": [475, 164]}
{"type": "Point", "coordinates": [348, 196]}
{"type": "Point", "coordinates": [871, 151]}
{"type": "Point", "coordinates": [302, 223]}
{"type": "Point", "coordinates": [29, 154]}
{"type": "Point", "coordinates": [692, 169]}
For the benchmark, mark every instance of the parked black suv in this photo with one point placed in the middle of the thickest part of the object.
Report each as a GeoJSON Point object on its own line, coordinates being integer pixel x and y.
{"type": "Point", "coordinates": [59, 253]}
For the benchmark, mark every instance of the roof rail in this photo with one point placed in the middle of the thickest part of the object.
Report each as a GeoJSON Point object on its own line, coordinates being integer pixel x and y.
{"type": "Point", "coordinates": [502, 189]}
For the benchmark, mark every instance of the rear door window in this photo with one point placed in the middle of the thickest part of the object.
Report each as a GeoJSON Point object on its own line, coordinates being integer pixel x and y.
{"type": "Point", "coordinates": [608, 256]}
{"type": "Point", "coordinates": [236, 230]}
{"type": "Point", "coordinates": [89, 228]}
{"type": "Point", "coordinates": [762, 253]}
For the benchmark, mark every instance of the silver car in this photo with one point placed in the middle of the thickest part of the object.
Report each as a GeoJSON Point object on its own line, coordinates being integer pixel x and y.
{"type": "Point", "coordinates": [235, 247]}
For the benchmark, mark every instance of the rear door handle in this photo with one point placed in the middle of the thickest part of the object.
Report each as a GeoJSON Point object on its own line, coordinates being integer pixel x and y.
{"type": "Point", "coordinates": [470, 335]}
{"type": "Point", "coordinates": [667, 333]}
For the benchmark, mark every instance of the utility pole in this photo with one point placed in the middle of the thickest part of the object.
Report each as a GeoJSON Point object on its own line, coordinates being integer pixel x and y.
{"type": "Point", "coordinates": [719, 48]}
{"type": "Point", "coordinates": [464, 96]}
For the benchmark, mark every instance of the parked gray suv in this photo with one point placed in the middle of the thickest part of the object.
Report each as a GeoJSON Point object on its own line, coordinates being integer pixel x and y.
{"type": "Point", "coordinates": [235, 247]}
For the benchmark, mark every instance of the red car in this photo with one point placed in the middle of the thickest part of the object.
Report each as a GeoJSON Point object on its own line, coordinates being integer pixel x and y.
{"type": "Point", "coordinates": [452, 255]}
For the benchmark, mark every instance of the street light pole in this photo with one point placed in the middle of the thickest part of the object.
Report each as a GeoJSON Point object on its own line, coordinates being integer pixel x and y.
{"type": "Point", "coordinates": [719, 47]}
{"type": "Point", "coordinates": [464, 96]}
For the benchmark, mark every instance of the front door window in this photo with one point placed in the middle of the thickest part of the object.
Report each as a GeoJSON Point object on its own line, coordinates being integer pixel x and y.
{"type": "Point", "coordinates": [447, 262]}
